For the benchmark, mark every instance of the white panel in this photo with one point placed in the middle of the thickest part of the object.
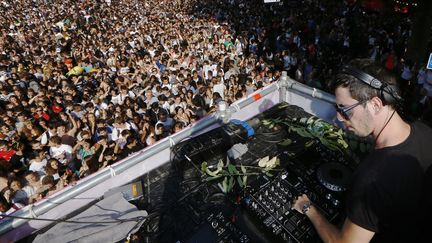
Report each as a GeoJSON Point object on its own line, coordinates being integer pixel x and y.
{"type": "Point", "coordinates": [257, 107]}
{"type": "Point", "coordinates": [317, 107]}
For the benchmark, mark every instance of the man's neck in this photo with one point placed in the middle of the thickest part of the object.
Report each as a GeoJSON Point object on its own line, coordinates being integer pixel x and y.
{"type": "Point", "coordinates": [394, 133]}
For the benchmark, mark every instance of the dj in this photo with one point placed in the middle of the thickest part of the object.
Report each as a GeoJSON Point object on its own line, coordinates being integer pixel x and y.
{"type": "Point", "coordinates": [385, 199]}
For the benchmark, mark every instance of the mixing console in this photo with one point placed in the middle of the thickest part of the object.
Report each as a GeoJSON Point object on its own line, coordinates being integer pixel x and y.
{"type": "Point", "coordinates": [185, 211]}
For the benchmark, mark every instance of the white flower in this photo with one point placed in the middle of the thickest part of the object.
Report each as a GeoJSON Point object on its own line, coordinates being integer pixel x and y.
{"type": "Point", "coordinates": [263, 161]}
{"type": "Point", "coordinates": [271, 164]}
{"type": "Point", "coordinates": [268, 163]}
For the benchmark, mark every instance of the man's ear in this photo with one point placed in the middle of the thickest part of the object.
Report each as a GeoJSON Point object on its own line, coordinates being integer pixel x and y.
{"type": "Point", "coordinates": [376, 104]}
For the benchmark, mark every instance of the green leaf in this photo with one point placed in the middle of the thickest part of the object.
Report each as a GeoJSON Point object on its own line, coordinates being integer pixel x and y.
{"type": "Point", "coordinates": [213, 178]}
{"type": "Point", "coordinates": [268, 174]}
{"type": "Point", "coordinates": [302, 132]}
{"type": "Point", "coordinates": [220, 165]}
{"type": "Point", "coordinates": [304, 120]}
{"type": "Point", "coordinates": [232, 169]}
{"type": "Point", "coordinates": [266, 122]}
{"type": "Point", "coordinates": [286, 142]}
{"type": "Point", "coordinates": [329, 145]}
{"type": "Point", "coordinates": [225, 185]}
{"type": "Point", "coordinates": [331, 135]}
{"type": "Point", "coordinates": [240, 181]}
{"type": "Point", "coordinates": [212, 173]}
{"type": "Point", "coordinates": [342, 143]}
{"type": "Point", "coordinates": [309, 143]}
{"type": "Point", "coordinates": [321, 122]}
{"type": "Point", "coordinates": [277, 163]}
{"type": "Point", "coordinates": [230, 184]}
{"type": "Point", "coordinates": [245, 180]}
{"type": "Point", "coordinates": [243, 169]}
{"type": "Point", "coordinates": [204, 166]}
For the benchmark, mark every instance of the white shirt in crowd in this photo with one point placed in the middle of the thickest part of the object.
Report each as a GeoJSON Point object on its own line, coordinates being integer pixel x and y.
{"type": "Point", "coordinates": [65, 149]}
{"type": "Point", "coordinates": [38, 166]}
{"type": "Point", "coordinates": [220, 88]}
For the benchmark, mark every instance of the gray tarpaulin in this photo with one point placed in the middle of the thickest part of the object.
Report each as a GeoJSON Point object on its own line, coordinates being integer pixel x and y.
{"type": "Point", "coordinates": [113, 208]}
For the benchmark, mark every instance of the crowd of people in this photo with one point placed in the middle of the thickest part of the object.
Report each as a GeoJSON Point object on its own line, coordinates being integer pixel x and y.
{"type": "Point", "coordinates": [84, 84]}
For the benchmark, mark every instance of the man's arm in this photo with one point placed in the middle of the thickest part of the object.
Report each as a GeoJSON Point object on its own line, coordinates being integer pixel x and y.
{"type": "Point", "coordinates": [350, 232]}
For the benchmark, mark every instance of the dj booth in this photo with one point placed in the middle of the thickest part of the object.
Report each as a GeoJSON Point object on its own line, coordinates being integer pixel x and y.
{"type": "Point", "coordinates": [185, 205]}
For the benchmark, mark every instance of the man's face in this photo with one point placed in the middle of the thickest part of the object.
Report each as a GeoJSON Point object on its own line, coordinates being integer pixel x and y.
{"type": "Point", "coordinates": [103, 132]}
{"type": "Point", "coordinates": [31, 178]}
{"type": "Point", "coordinates": [4, 129]}
{"type": "Point", "coordinates": [61, 129]}
{"type": "Point", "coordinates": [360, 120]}
{"type": "Point", "coordinates": [15, 186]}
{"type": "Point", "coordinates": [40, 156]}
{"type": "Point", "coordinates": [162, 117]}
{"type": "Point", "coordinates": [3, 147]}
{"type": "Point", "coordinates": [149, 95]}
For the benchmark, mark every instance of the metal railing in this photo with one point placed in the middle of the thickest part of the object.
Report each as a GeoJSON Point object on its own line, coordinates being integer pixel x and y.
{"type": "Point", "coordinates": [283, 85]}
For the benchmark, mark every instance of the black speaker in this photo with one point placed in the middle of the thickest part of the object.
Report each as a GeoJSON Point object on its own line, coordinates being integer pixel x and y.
{"type": "Point", "coordinates": [389, 93]}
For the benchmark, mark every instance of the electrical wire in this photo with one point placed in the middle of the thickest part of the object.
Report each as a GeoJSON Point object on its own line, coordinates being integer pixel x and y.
{"type": "Point", "coordinates": [385, 125]}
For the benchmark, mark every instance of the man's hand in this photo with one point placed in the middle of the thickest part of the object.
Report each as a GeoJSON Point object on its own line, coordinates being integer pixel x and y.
{"type": "Point", "coordinates": [299, 202]}
{"type": "Point", "coordinates": [350, 232]}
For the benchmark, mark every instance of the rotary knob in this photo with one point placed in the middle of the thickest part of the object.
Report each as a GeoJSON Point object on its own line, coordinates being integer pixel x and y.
{"type": "Point", "coordinates": [214, 224]}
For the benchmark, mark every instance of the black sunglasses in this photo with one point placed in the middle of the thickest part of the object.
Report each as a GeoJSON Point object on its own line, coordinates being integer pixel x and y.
{"type": "Point", "coordinates": [346, 112]}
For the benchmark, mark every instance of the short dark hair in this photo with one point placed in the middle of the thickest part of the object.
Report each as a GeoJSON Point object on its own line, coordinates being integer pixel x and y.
{"type": "Point", "coordinates": [358, 89]}
{"type": "Point", "coordinates": [55, 139]}
{"type": "Point", "coordinates": [48, 179]}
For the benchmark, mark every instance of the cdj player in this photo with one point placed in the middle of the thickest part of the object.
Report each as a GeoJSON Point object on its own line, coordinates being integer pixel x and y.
{"type": "Point", "coordinates": [184, 207]}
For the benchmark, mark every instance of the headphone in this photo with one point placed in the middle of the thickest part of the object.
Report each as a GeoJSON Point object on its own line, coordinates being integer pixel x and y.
{"type": "Point", "coordinates": [389, 93]}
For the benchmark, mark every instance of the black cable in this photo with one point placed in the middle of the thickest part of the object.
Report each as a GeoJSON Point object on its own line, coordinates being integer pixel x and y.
{"type": "Point", "coordinates": [270, 141]}
{"type": "Point", "coordinates": [190, 161]}
{"type": "Point", "coordinates": [385, 125]}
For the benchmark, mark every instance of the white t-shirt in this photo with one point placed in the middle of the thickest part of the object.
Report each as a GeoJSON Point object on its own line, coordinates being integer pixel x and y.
{"type": "Point", "coordinates": [45, 137]}
{"type": "Point", "coordinates": [220, 88]}
{"type": "Point", "coordinates": [64, 148]}
{"type": "Point", "coordinates": [38, 166]}
{"type": "Point", "coordinates": [174, 106]}
{"type": "Point", "coordinates": [29, 190]}
{"type": "Point", "coordinates": [168, 124]}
